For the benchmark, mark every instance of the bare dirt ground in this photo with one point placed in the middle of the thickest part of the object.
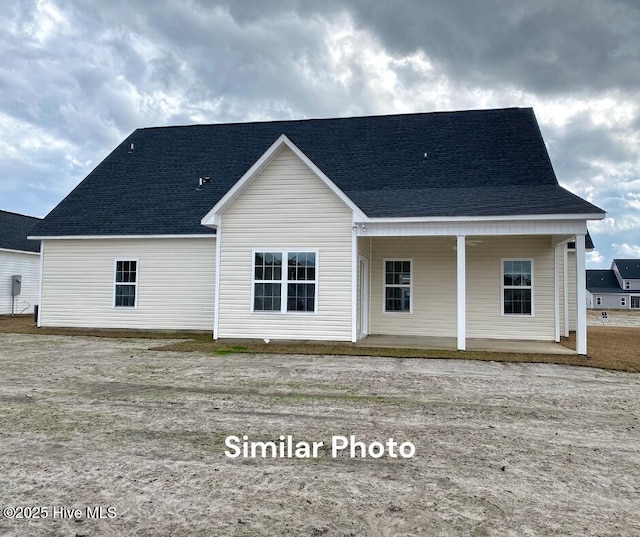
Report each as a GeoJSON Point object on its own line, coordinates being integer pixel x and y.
{"type": "Point", "coordinates": [614, 318]}
{"type": "Point", "coordinates": [501, 449]}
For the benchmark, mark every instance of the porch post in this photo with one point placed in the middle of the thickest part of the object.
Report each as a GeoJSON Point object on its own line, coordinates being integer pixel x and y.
{"type": "Point", "coordinates": [461, 292]}
{"type": "Point", "coordinates": [556, 294]}
{"type": "Point", "coordinates": [565, 288]}
{"type": "Point", "coordinates": [581, 297]}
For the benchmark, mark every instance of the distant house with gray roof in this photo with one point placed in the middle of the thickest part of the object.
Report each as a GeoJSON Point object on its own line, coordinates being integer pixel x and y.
{"type": "Point", "coordinates": [616, 288]}
{"type": "Point", "coordinates": [19, 256]}
{"type": "Point", "coordinates": [447, 224]}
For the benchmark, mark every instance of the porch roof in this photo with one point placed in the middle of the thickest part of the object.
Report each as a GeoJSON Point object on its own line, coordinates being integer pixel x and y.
{"type": "Point", "coordinates": [490, 200]}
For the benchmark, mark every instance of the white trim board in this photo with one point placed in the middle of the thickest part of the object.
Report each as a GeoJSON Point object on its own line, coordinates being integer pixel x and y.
{"type": "Point", "coordinates": [119, 237]}
{"type": "Point", "coordinates": [18, 251]}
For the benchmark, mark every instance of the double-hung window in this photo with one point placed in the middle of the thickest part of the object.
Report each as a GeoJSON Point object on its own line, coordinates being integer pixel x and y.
{"type": "Point", "coordinates": [517, 287]}
{"type": "Point", "coordinates": [397, 285]}
{"type": "Point", "coordinates": [126, 284]}
{"type": "Point", "coordinates": [267, 293]}
{"type": "Point", "coordinates": [285, 281]}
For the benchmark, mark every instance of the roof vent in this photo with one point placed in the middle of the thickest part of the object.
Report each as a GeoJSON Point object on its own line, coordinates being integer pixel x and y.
{"type": "Point", "coordinates": [204, 181]}
{"type": "Point", "coordinates": [131, 148]}
{"type": "Point", "coordinates": [425, 156]}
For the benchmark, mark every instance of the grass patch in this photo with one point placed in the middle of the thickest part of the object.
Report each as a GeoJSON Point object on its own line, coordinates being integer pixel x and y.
{"type": "Point", "coordinates": [610, 347]}
{"type": "Point", "coordinates": [613, 348]}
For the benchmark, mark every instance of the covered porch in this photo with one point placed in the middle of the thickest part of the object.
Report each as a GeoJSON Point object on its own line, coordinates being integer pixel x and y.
{"type": "Point", "coordinates": [451, 292]}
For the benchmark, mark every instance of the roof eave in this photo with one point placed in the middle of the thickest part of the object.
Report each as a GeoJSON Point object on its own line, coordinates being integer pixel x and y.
{"type": "Point", "coordinates": [562, 216]}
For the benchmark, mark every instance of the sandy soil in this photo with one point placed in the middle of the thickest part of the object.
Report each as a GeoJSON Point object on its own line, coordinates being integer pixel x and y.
{"type": "Point", "coordinates": [501, 449]}
{"type": "Point", "coordinates": [614, 318]}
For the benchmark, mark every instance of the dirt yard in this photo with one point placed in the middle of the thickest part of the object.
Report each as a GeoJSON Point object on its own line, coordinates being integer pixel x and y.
{"type": "Point", "coordinates": [500, 449]}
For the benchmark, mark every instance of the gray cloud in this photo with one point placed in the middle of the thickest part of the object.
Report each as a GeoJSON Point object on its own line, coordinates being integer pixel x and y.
{"type": "Point", "coordinates": [74, 80]}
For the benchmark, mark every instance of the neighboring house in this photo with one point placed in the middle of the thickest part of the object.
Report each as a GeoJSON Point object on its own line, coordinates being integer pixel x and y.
{"type": "Point", "coordinates": [616, 288]}
{"type": "Point", "coordinates": [442, 224]}
{"type": "Point", "coordinates": [18, 257]}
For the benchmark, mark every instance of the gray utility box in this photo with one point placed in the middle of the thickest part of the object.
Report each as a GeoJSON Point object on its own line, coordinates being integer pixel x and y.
{"type": "Point", "coordinates": [16, 284]}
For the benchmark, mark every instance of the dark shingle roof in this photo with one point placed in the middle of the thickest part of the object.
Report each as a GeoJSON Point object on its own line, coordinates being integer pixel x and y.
{"type": "Point", "coordinates": [14, 229]}
{"type": "Point", "coordinates": [485, 162]}
{"type": "Point", "coordinates": [588, 243]}
{"type": "Point", "coordinates": [602, 281]}
{"type": "Point", "coordinates": [629, 269]}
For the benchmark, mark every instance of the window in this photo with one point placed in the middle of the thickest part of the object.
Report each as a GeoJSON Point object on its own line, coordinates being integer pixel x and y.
{"type": "Point", "coordinates": [598, 301]}
{"type": "Point", "coordinates": [623, 301]}
{"type": "Point", "coordinates": [267, 293]}
{"type": "Point", "coordinates": [293, 289]}
{"type": "Point", "coordinates": [397, 285]}
{"type": "Point", "coordinates": [517, 287]}
{"type": "Point", "coordinates": [126, 284]}
{"type": "Point", "coordinates": [301, 278]}
{"type": "Point", "coordinates": [627, 284]}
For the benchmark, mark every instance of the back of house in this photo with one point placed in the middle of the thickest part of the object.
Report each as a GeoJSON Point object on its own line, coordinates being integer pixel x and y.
{"type": "Point", "coordinates": [449, 224]}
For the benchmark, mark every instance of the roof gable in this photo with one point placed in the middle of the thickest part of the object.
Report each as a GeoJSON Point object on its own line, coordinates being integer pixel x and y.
{"type": "Point", "coordinates": [629, 269]}
{"type": "Point", "coordinates": [14, 229]}
{"type": "Point", "coordinates": [602, 281]}
{"type": "Point", "coordinates": [439, 164]}
{"type": "Point", "coordinates": [236, 190]}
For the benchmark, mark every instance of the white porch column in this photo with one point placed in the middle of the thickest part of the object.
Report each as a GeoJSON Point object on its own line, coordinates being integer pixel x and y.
{"type": "Point", "coordinates": [565, 288]}
{"type": "Point", "coordinates": [581, 297]}
{"type": "Point", "coordinates": [556, 292]}
{"type": "Point", "coordinates": [461, 292]}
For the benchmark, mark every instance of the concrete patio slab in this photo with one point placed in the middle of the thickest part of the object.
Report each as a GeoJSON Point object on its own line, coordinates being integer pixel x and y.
{"type": "Point", "coordinates": [446, 343]}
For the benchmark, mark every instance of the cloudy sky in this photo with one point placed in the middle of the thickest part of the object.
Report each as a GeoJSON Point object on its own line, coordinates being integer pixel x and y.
{"type": "Point", "coordinates": [76, 77]}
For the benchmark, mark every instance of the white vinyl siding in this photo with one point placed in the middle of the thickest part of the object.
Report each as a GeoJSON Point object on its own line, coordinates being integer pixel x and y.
{"type": "Point", "coordinates": [286, 208]}
{"type": "Point", "coordinates": [433, 286]}
{"type": "Point", "coordinates": [27, 266]}
{"type": "Point", "coordinates": [484, 282]}
{"type": "Point", "coordinates": [571, 282]}
{"type": "Point", "coordinates": [175, 283]}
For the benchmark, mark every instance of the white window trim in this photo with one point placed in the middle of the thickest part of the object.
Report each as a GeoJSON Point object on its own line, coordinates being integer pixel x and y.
{"type": "Point", "coordinates": [502, 288]}
{"type": "Point", "coordinates": [284, 281]}
{"type": "Point", "coordinates": [385, 285]}
{"type": "Point", "coordinates": [135, 284]}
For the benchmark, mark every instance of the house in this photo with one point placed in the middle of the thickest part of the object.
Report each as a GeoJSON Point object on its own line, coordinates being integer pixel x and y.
{"type": "Point", "coordinates": [19, 264]}
{"type": "Point", "coordinates": [445, 224]}
{"type": "Point", "coordinates": [616, 288]}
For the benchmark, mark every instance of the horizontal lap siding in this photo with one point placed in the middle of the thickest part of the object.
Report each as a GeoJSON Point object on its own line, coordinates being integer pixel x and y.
{"type": "Point", "coordinates": [433, 290]}
{"type": "Point", "coordinates": [175, 283]}
{"type": "Point", "coordinates": [571, 281]}
{"type": "Point", "coordinates": [484, 289]}
{"type": "Point", "coordinates": [286, 206]}
{"type": "Point", "coordinates": [27, 266]}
